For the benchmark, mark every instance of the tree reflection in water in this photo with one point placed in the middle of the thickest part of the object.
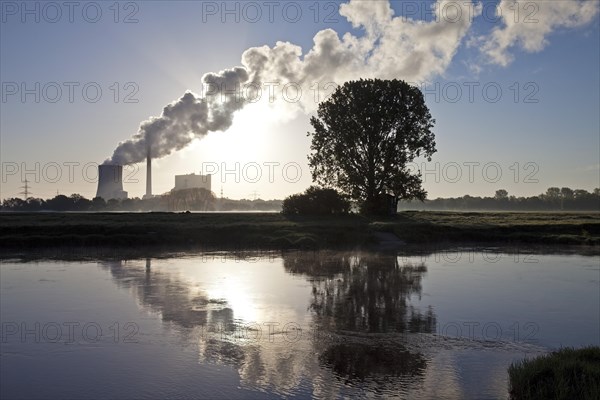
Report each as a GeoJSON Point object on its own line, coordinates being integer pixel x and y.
{"type": "Point", "coordinates": [362, 360]}
{"type": "Point", "coordinates": [356, 300]}
{"type": "Point", "coordinates": [363, 292]}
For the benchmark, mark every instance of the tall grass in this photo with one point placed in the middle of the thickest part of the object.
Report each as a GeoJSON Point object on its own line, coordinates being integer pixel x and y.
{"type": "Point", "coordinates": [565, 374]}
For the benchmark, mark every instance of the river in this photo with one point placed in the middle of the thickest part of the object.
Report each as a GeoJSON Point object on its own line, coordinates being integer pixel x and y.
{"type": "Point", "coordinates": [327, 324]}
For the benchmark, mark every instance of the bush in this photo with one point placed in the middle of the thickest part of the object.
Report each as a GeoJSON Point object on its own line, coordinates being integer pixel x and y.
{"type": "Point", "coordinates": [316, 201]}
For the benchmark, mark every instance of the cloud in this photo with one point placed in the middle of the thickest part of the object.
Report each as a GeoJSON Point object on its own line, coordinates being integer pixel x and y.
{"type": "Point", "coordinates": [527, 25]}
{"type": "Point", "coordinates": [391, 47]}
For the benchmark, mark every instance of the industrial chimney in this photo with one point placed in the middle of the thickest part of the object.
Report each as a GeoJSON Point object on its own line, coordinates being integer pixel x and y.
{"type": "Point", "coordinates": [148, 177]}
{"type": "Point", "coordinates": [110, 182]}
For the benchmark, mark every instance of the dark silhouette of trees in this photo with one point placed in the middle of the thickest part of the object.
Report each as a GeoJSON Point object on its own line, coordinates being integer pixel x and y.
{"type": "Point", "coordinates": [565, 199]}
{"type": "Point", "coordinates": [80, 203]}
{"type": "Point", "coordinates": [553, 193]}
{"type": "Point", "coordinates": [364, 136]}
{"type": "Point", "coordinates": [553, 197]}
{"type": "Point", "coordinates": [184, 200]}
{"type": "Point", "coordinates": [61, 203]}
{"type": "Point", "coordinates": [98, 204]}
{"type": "Point", "coordinates": [566, 193]}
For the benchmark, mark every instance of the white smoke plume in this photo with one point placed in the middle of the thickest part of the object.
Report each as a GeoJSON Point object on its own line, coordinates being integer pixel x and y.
{"type": "Point", "coordinates": [184, 120]}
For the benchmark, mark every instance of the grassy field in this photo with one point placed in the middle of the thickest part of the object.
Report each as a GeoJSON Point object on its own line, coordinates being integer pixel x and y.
{"type": "Point", "coordinates": [565, 374]}
{"type": "Point", "coordinates": [262, 230]}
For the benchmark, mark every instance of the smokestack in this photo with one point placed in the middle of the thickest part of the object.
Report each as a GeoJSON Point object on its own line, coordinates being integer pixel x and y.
{"type": "Point", "coordinates": [148, 176]}
{"type": "Point", "coordinates": [110, 182]}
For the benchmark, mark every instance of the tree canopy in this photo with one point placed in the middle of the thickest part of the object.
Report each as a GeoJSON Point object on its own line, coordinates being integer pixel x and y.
{"type": "Point", "coordinates": [364, 136]}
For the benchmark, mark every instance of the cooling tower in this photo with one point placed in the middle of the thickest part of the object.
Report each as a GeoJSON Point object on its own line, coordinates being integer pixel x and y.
{"type": "Point", "coordinates": [110, 182]}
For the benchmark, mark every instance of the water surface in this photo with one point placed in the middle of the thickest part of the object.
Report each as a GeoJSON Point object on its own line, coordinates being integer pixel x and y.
{"type": "Point", "coordinates": [304, 324]}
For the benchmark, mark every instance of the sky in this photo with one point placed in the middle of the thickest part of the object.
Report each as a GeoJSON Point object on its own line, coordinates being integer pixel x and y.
{"type": "Point", "coordinates": [513, 86]}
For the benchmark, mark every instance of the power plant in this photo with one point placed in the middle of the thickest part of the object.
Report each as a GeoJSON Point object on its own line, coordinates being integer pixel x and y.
{"type": "Point", "coordinates": [110, 182]}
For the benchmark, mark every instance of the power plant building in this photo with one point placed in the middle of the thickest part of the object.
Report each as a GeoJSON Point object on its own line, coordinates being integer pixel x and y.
{"type": "Point", "coordinates": [192, 181]}
{"type": "Point", "coordinates": [110, 181]}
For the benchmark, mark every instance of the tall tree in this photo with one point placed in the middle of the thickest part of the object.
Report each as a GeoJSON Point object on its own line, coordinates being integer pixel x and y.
{"type": "Point", "coordinates": [364, 136]}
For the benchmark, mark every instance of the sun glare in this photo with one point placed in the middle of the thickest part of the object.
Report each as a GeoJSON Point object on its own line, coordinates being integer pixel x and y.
{"type": "Point", "coordinates": [235, 293]}
{"type": "Point", "coordinates": [245, 141]}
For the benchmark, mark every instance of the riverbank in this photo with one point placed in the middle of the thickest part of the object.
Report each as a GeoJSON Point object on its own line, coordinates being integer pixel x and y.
{"type": "Point", "coordinates": [277, 231]}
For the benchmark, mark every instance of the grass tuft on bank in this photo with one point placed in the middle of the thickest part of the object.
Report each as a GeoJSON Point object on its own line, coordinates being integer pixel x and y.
{"type": "Point", "coordinates": [565, 374]}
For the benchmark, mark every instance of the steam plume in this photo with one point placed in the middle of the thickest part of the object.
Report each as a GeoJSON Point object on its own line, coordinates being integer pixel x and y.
{"type": "Point", "coordinates": [183, 120]}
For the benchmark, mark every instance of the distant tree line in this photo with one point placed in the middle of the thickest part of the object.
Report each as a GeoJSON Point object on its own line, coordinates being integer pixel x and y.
{"type": "Point", "coordinates": [313, 201]}
{"type": "Point", "coordinates": [180, 200]}
{"type": "Point", "coordinates": [555, 199]}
